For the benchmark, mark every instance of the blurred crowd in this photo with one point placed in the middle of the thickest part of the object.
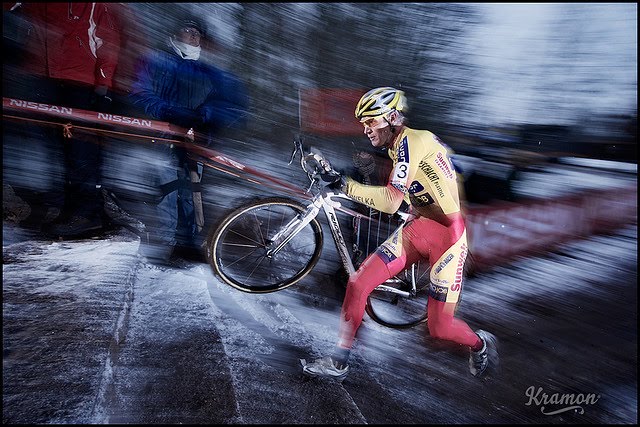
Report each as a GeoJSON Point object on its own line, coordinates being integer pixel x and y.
{"type": "Point", "coordinates": [98, 57]}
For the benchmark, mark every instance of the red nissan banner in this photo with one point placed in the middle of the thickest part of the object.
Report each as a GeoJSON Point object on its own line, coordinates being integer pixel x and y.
{"type": "Point", "coordinates": [69, 113]}
{"type": "Point", "coordinates": [27, 109]}
{"type": "Point", "coordinates": [329, 111]}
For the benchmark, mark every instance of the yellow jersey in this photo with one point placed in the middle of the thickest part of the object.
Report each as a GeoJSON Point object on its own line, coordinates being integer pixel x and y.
{"type": "Point", "coordinates": [422, 175]}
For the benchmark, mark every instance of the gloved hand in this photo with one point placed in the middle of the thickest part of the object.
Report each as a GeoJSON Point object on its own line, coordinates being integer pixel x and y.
{"type": "Point", "coordinates": [334, 180]}
{"type": "Point", "coordinates": [365, 163]}
{"type": "Point", "coordinates": [101, 100]}
{"type": "Point", "coordinates": [184, 117]}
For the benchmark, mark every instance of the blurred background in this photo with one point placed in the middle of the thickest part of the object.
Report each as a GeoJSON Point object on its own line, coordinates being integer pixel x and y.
{"type": "Point", "coordinates": [544, 77]}
{"type": "Point", "coordinates": [510, 87]}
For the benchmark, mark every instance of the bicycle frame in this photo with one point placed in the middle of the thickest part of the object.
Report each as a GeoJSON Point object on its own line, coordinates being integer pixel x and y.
{"type": "Point", "coordinates": [325, 200]}
{"type": "Point", "coordinates": [244, 251]}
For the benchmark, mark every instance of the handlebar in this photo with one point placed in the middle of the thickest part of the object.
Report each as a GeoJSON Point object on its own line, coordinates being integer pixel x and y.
{"type": "Point", "coordinates": [314, 164]}
{"type": "Point", "coordinates": [297, 147]}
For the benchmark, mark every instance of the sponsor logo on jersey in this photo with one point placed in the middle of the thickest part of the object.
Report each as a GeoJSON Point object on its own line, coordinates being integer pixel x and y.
{"type": "Point", "coordinates": [439, 189]}
{"type": "Point", "coordinates": [400, 176]}
{"type": "Point", "coordinates": [385, 254]}
{"type": "Point", "coordinates": [428, 171]}
{"type": "Point", "coordinates": [444, 165]}
{"type": "Point", "coordinates": [403, 151]}
{"type": "Point", "coordinates": [457, 283]}
{"type": "Point", "coordinates": [399, 186]}
{"type": "Point", "coordinates": [415, 187]}
{"type": "Point", "coordinates": [364, 200]}
{"type": "Point", "coordinates": [395, 237]}
{"type": "Point", "coordinates": [421, 200]}
{"type": "Point", "coordinates": [443, 264]}
{"type": "Point", "coordinates": [441, 282]}
{"type": "Point", "coordinates": [438, 293]}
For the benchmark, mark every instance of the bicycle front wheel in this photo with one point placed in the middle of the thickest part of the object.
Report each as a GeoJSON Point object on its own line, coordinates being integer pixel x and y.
{"type": "Point", "coordinates": [396, 310]}
{"type": "Point", "coordinates": [238, 248]}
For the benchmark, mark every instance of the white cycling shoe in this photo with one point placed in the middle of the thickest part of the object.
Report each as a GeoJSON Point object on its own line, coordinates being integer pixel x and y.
{"type": "Point", "coordinates": [485, 359]}
{"type": "Point", "coordinates": [324, 367]}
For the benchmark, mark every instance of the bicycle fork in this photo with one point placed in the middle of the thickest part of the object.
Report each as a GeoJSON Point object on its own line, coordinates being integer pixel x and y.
{"type": "Point", "coordinates": [293, 227]}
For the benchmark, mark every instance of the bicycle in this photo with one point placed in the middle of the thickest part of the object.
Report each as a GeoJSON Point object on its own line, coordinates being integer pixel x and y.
{"type": "Point", "coordinates": [270, 244]}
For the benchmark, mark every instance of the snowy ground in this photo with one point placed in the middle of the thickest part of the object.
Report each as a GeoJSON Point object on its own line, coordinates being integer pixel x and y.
{"type": "Point", "coordinates": [92, 334]}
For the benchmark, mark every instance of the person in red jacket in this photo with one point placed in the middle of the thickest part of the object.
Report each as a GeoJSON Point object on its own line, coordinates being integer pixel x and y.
{"type": "Point", "coordinates": [70, 54]}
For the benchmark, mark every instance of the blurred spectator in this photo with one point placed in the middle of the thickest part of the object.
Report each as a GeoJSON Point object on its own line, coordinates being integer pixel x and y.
{"type": "Point", "coordinates": [69, 56]}
{"type": "Point", "coordinates": [135, 42]}
{"type": "Point", "coordinates": [176, 85]}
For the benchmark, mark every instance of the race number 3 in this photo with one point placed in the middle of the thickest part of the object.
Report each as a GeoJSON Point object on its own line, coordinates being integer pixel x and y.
{"type": "Point", "coordinates": [400, 175]}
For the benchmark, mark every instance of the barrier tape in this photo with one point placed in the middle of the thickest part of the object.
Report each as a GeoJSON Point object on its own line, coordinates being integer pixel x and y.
{"type": "Point", "coordinates": [505, 231]}
{"type": "Point", "coordinates": [77, 114]}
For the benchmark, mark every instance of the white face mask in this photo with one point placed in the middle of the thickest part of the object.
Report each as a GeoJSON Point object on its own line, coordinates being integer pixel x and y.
{"type": "Point", "coordinates": [184, 50]}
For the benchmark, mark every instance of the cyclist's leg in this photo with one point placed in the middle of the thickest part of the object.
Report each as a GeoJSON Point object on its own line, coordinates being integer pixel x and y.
{"type": "Point", "coordinates": [443, 324]}
{"type": "Point", "coordinates": [392, 257]}
{"type": "Point", "coordinates": [388, 260]}
{"type": "Point", "coordinates": [447, 257]}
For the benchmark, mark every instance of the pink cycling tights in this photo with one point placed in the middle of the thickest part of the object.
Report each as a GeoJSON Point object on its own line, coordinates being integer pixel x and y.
{"type": "Point", "coordinates": [373, 271]}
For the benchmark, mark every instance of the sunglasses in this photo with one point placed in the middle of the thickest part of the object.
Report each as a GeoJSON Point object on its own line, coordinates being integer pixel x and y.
{"type": "Point", "coordinates": [374, 123]}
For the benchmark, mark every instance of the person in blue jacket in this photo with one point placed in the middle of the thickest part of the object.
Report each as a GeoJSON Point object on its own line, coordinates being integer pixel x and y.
{"type": "Point", "coordinates": [175, 85]}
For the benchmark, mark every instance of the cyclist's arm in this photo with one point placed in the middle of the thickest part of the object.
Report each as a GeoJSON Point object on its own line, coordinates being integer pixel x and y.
{"type": "Point", "coordinates": [386, 199]}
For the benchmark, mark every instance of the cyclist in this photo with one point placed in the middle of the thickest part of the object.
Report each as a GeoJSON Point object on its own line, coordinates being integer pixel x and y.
{"type": "Point", "coordinates": [423, 176]}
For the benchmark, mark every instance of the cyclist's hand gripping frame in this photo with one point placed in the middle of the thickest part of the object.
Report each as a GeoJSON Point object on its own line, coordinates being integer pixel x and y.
{"type": "Point", "coordinates": [314, 164]}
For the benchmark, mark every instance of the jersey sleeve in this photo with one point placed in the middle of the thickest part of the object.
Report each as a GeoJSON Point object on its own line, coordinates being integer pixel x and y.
{"type": "Point", "coordinates": [389, 198]}
{"type": "Point", "coordinates": [441, 177]}
{"type": "Point", "coordinates": [386, 199]}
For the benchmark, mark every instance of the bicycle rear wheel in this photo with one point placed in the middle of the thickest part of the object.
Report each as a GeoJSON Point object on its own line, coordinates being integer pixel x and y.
{"type": "Point", "coordinates": [397, 311]}
{"type": "Point", "coordinates": [237, 249]}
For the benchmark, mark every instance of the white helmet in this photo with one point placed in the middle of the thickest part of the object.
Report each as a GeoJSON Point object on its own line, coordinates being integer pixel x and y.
{"type": "Point", "coordinates": [380, 101]}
